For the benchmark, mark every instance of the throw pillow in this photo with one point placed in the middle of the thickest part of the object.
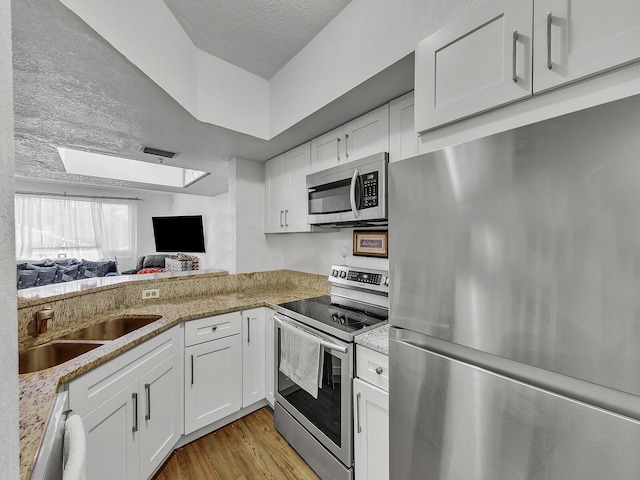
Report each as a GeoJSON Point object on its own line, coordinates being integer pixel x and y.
{"type": "Point", "coordinates": [102, 268]}
{"type": "Point", "coordinates": [89, 273]}
{"type": "Point", "coordinates": [45, 275]}
{"type": "Point", "coordinates": [69, 273]}
{"type": "Point", "coordinates": [27, 278]}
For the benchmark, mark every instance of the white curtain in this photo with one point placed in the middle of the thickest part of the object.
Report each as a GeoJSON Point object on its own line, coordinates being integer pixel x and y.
{"type": "Point", "coordinates": [95, 229]}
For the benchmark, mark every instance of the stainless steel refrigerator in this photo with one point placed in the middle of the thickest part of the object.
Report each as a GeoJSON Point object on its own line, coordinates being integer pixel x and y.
{"type": "Point", "coordinates": [515, 304]}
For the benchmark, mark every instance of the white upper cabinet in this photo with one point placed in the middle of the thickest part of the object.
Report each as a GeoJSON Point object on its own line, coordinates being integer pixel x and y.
{"type": "Point", "coordinates": [578, 38]}
{"type": "Point", "coordinates": [368, 134]}
{"type": "Point", "coordinates": [507, 50]}
{"type": "Point", "coordinates": [364, 136]}
{"type": "Point", "coordinates": [403, 139]}
{"type": "Point", "coordinates": [477, 63]}
{"type": "Point", "coordinates": [286, 191]}
{"type": "Point", "coordinates": [327, 150]}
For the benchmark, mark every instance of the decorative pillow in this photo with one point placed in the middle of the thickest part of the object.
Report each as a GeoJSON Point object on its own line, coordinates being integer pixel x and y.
{"type": "Point", "coordinates": [65, 262]}
{"type": "Point", "coordinates": [69, 273]}
{"type": "Point", "coordinates": [49, 263]}
{"type": "Point", "coordinates": [89, 273]}
{"type": "Point", "coordinates": [80, 272]}
{"type": "Point", "coordinates": [151, 270]}
{"type": "Point", "coordinates": [57, 278]}
{"type": "Point", "coordinates": [27, 278]}
{"type": "Point", "coordinates": [102, 269]}
{"type": "Point", "coordinates": [45, 275]}
{"type": "Point", "coordinates": [154, 261]}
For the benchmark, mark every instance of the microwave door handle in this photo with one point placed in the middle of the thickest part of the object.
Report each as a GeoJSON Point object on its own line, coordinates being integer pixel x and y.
{"type": "Point", "coordinates": [352, 194]}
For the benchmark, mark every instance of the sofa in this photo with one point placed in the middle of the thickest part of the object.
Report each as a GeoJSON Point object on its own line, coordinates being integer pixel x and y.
{"type": "Point", "coordinates": [146, 263]}
{"type": "Point", "coordinates": [48, 272]}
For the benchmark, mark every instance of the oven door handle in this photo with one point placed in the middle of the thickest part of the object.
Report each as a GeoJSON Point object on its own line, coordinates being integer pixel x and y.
{"type": "Point", "coordinates": [352, 194]}
{"type": "Point", "coordinates": [324, 343]}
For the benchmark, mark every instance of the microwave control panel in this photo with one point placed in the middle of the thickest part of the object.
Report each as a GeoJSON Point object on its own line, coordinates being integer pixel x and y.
{"type": "Point", "coordinates": [369, 190]}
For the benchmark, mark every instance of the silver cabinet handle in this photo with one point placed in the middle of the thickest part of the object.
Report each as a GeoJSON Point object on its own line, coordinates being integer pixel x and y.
{"type": "Point", "coordinates": [214, 328]}
{"type": "Point", "coordinates": [379, 370]}
{"type": "Point", "coordinates": [286, 212]}
{"type": "Point", "coordinates": [352, 194]}
{"type": "Point", "coordinates": [514, 75]}
{"type": "Point", "coordinates": [147, 389]}
{"type": "Point", "coordinates": [358, 412]}
{"type": "Point", "coordinates": [346, 146]}
{"type": "Point", "coordinates": [134, 397]}
{"type": "Point", "coordinates": [338, 148]}
{"type": "Point", "coordinates": [191, 369]}
{"type": "Point", "coordinates": [549, 21]}
{"type": "Point", "coordinates": [248, 330]}
{"type": "Point", "coordinates": [281, 212]}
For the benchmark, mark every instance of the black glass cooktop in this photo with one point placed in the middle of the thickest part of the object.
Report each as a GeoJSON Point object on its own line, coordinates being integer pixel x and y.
{"type": "Point", "coordinates": [335, 315]}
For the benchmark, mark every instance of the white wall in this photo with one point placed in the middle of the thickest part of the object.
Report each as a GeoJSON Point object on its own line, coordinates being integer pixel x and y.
{"type": "Point", "coordinates": [316, 252]}
{"type": "Point", "coordinates": [216, 221]}
{"type": "Point", "coordinates": [9, 439]}
{"type": "Point", "coordinates": [246, 191]}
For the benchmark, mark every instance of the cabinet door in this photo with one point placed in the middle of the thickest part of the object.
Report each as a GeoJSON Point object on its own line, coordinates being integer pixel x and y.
{"type": "Point", "coordinates": [253, 353]}
{"type": "Point", "coordinates": [368, 134]}
{"type": "Point", "coordinates": [269, 359]}
{"type": "Point", "coordinates": [276, 192]}
{"type": "Point", "coordinates": [213, 382]}
{"type": "Point", "coordinates": [327, 150]}
{"type": "Point", "coordinates": [474, 64]}
{"type": "Point", "coordinates": [403, 139]}
{"type": "Point", "coordinates": [298, 165]}
{"type": "Point", "coordinates": [160, 413]}
{"type": "Point", "coordinates": [371, 432]}
{"type": "Point", "coordinates": [112, 443]}
{"type": "Point", "coordinates": [577, 38]}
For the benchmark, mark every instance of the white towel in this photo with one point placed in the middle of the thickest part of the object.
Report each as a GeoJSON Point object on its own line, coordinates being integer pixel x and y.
{"type": "Point", "coordinates": [74, 451]}
{"type": "Point", "coordinates": [300, 354]}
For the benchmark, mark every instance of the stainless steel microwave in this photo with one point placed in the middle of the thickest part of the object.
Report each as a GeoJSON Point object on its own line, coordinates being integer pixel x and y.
{"type": "Point", "coordinates": [353, 193]}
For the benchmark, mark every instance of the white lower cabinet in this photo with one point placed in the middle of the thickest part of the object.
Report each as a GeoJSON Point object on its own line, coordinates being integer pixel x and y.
{"type": "Point", "coordinates": [131, 409]}
{"type": "Point", "coordinates": [269, 359]}
{"type": "Point", "coordinates": [213, 381]}
{"type": "Point", "coordinates": [371, 419]}
{"type": "Point", "coordinates": [159, 413]}
{"type": "Point", "coordinates": [112, 446]}
{"type": "Point", "coordinates": [253, 355]}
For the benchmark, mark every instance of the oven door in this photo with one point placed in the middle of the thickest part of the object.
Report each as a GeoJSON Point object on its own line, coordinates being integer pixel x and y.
{"type": "Point", "coordinates": [329, 417]}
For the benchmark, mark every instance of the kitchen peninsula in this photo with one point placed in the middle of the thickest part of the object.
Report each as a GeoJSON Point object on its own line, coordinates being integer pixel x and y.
{"type": "Point", "coordinates": [181, 298]}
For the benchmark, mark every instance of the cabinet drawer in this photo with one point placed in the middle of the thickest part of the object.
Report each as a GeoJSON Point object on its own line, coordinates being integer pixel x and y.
{"type": "Point", "coordinates": [211, 328]}
{"type": "Point", "coordinates": [369, 363]}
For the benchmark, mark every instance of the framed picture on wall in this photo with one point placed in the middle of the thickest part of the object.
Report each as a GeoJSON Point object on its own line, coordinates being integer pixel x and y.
{"type": "Point", "coordinates": [369, 243]}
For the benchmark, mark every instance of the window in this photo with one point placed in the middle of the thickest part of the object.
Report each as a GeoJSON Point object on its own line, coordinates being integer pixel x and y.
{"type": "Point", "coordinates": [93, 229]}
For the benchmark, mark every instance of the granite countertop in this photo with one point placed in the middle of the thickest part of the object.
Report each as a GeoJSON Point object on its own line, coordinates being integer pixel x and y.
{"type": "Point", "coordinates": [376, 339]}
{"type": "Point", "coordinates": [38, 389]}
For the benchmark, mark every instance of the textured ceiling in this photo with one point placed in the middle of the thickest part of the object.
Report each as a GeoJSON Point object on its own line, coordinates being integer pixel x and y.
{"type": "Point", "coordinates": [257, 35]}
{"type": "Point", "coordinates": [73, 89]}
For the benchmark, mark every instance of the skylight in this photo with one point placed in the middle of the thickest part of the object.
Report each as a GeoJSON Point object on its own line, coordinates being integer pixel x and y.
{"type": "Point", "coordinates": [105, 166]}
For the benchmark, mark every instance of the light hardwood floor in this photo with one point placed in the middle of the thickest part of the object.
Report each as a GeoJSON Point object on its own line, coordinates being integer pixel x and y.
{"type": "Point", "coordinates": [247, 449]}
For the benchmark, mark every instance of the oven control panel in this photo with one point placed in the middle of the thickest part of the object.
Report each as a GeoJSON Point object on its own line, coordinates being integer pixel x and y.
{"type": "Point", "coordinates": [360, 277]}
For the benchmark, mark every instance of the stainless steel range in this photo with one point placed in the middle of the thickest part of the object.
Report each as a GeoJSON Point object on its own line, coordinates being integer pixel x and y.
{"type": "Point", "coordinates": [321, 429]}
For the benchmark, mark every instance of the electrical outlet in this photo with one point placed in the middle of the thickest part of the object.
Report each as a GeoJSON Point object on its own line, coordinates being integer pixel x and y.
{"type": "Point", "coordinates": [154, 293]}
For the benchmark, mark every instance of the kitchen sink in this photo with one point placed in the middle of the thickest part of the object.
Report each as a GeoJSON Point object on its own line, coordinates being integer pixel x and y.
{"type": "Point", "coordinates": [52, 354]}
{"type": "Point", "coordinates": [113, 328]}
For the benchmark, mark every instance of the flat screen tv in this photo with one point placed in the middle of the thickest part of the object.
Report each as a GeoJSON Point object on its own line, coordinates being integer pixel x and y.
{"type": "Point", "coordinates": [179, 234]}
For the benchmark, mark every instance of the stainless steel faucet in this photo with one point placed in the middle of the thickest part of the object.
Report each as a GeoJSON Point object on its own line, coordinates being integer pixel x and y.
{"type": "Point", "coordinates": [38, 325]}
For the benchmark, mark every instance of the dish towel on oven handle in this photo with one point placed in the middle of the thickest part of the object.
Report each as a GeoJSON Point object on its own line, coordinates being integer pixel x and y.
{"type": "Point", "coordinates": [300, 355]}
